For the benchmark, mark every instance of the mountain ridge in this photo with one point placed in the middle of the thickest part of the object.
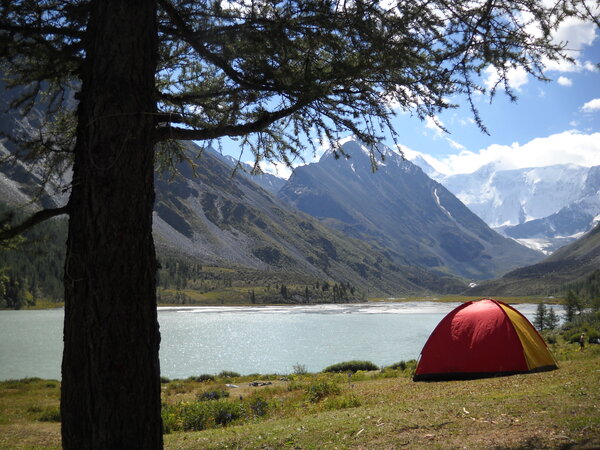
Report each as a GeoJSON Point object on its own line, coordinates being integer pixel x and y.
{"type": "Point", "coordinates": [543, 208]}
{"type": "Point", "coordinates": [569, 264]}
{"type": "Point", "coordinates": [399, 207]}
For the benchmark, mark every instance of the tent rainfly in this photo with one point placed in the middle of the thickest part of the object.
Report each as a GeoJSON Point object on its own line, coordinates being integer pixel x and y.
{"type": "Point", "coordinates": [483, 338]}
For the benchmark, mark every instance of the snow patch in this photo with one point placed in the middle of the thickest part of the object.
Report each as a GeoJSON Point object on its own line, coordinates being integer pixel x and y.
{"type": "Point", "coordinates": [437, 200]}
{"type": "Point", "coordinates": [541, 245]}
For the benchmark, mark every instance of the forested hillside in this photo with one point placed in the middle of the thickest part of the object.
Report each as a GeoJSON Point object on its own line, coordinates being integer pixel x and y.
{"type": "Point", "coordinates": [31, 267]}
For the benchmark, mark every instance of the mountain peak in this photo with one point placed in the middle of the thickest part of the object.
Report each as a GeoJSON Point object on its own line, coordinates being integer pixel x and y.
{"type": "Point", "coordinates": [399, 208]}
{"type": "Point", "coordinates": [356, 149]}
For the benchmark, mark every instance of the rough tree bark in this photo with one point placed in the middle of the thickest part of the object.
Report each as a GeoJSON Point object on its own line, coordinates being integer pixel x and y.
{"type": "Point", "coordinates": [110, 368]}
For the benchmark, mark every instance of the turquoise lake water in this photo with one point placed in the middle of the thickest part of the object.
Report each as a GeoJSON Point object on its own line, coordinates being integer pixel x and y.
{"type": "Point", "coordinates": [270, 339]}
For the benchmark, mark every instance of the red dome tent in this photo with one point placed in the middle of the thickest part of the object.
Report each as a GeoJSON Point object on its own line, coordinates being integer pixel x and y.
{"type": "Point", "coordinates": [480, 339]}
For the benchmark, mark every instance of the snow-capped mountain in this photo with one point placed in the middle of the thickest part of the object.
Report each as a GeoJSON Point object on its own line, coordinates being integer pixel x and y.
{"type": "Point", "coordinates": [512, 197]}
{"type": "Point", "coordinates": [541, 207]}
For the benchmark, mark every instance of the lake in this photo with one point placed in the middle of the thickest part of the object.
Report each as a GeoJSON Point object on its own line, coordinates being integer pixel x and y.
{"type": "Point", "coordinates": [269, 339]}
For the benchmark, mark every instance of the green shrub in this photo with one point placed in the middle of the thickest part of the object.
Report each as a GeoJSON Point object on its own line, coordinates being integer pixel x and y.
{"type": "Point", "coordinates": [202, 378]}
{"type": "Point", "coordinates": [224, 412]}
{"type": "Point", "coordinates": [321, 388]}
{"type": "Point", "coordinates": [169, 419]}
{"type": "Point", "coordinates": [214, 394]}
{"type": "Point", "coordinates": [197, 416]}
{"type": "Point", "coordinates": [51, 414]}
{"type": "Point", "coordinates": [343, 402]}
{"type": "Point", "coordinates": [164, 380]}
{"type": "Point", "coordinates": [185, 417]}
{"type": "Point", "coordinates": [398, 366]}
{"type": "Point", "coordinates": [351, 366]}
{"type": "Point", "coordinates": [258, 405]}
{"type": "Point", "coordinates": [194, 416]}
{"type": "Point", "coordinates": [572, 336]}
{"type": "Point", "coordinates": [229, 374]}
{"type": "Point", "coordinates": [295, 385]}
{"type": "Point", "coordinates": [403, 365]}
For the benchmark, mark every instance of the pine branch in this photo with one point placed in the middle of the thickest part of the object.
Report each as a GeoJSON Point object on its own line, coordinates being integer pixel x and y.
{"type": "Point", "coordinates": [265, 119]}
{"type": "Point", "coordinates": [38, 217]}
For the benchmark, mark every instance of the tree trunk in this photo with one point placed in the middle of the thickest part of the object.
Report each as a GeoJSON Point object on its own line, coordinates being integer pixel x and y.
{"type": "Point", "coordinates": [110, 370]}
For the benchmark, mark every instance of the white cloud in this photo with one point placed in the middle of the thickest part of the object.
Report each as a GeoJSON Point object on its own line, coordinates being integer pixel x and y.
{"type": "Point", "coordinates": [455, 144]}
{"type": "Point", "coordinates": [564, 81]}
{"type": "Point", "coordinates": [435, 124]}
{"type": "Point", "coordinates": [575, 34]}
{"type": "Point", "coordinates": [411, 155]}
{"type": "Point", "coordinates": [516, 76]}
{"type": "Point", "coordinates": [591, 106]}
{"type": "Point", "coordinates": [278, 169]}
{"type": "Point", "coordinates": [569, 147]}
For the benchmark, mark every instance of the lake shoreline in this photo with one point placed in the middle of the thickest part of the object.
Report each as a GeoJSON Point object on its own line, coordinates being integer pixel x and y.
{"type": "Point", "coordinates": [439, 299]}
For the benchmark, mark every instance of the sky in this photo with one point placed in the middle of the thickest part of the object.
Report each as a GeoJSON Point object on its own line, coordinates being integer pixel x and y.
{"type": "Point", "coordinates": [554, 122]}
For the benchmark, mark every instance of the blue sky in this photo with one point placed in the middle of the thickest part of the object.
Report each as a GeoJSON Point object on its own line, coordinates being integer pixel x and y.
{"type": "Point", "coordinates": [557, 121]}
{"type": "Point", "coordinates": [552, 122]}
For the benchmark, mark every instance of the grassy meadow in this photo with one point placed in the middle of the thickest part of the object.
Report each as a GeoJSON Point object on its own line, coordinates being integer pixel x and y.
{"type": "Point", "coordinates": [370, 409]}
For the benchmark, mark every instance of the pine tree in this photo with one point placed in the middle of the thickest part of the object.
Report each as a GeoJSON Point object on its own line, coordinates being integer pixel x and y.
{"type": "Point", "coordinates": [551, 320]}
{"type": "Point", "coordinates": [572, 305]}
{"type": "Point", "coordinates": [540, 318]}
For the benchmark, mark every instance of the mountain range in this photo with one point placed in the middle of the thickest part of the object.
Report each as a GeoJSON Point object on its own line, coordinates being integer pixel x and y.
{"type": "Point", "coordinates": [574, 263]}
{"type": "Point", "coordinates": [543, 207]}
{"type": "Point", "coordinates": [393, 231]}
{"type": "Point", "coordinates": [217, 218]}
{"type": "Point", "coordinates": [399, 207]}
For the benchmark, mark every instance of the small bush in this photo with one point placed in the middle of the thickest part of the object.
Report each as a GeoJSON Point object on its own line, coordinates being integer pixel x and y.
{"type": "Point", "coordinates": [198, 416]}
{"type": "Point", "coordinates": [194, 417]}
{"type": "Point", "coordinates": [398, 366]}
{"type": "Point", "coordinates": [164, 380]}
{"type": "Point", "coordinates": [225, 412]}
{"type": "Point", "coordinates": [169, 419]}
{"type": "Point", "coordinates": [51, 414]}
{"type": "Point", "coordinates": [202, 378]}
{"type": "Point", "coordinates": [214, 394]}
{"type": "Point", "coordinates": [299, 369]}
{"type": "Point", "coordinates": [321, 388]}
{"type": "Point", "coordinates": [403, 365]}
{"type": "Point", "coordinates": [229, 374]}
{"type": "Point", "coordinates": [351, 366]}
{"type": "Point", "coordinates": [295, 385]}
{"type": "Point", "coordinates": [258, 406]}
{"type": "Point", "coordinates": [19, 384]}
{"type": "Point", "coordinates": [185, 417]}
{"type": "Point", "coordinates": [343, 402]}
